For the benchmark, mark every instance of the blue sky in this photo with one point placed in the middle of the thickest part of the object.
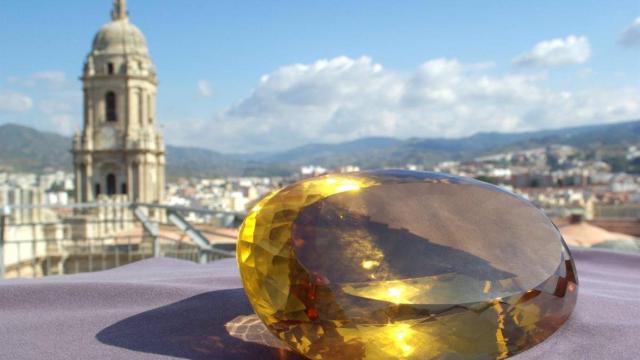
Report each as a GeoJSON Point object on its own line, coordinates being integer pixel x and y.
{"type": "Point", "coordinates": [269, 75]}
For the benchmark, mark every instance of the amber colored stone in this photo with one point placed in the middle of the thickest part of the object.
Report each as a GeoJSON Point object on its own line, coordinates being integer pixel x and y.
{"type": "Point", "coordinates": [405, 265]}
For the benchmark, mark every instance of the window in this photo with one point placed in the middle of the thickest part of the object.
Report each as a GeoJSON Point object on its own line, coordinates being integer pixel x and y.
{"type": "Point", "coordinates": [110, 101]}
{"type": "Point", "coordinates": [111, 184]}
{"type": "Point", "coordinates": [96, 190]}
{"type": "Point", "coordinates": [123, 188]}
{"type": "Point", "coordinates": [110, 68]}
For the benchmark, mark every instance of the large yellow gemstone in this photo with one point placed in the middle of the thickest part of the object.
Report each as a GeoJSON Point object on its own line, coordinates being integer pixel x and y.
{"type": "Point", "coordinates": [406, 265]}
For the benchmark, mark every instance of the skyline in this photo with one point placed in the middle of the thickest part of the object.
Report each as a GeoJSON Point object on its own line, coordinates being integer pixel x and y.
{"type": "Point", "coordinates": [367, 75]}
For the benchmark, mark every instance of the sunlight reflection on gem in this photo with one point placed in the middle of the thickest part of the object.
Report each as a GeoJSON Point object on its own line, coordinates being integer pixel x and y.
{"type": "Point", "coordinates": [369, 264]}
{"type": "Point", "coordinates": [401, 335]}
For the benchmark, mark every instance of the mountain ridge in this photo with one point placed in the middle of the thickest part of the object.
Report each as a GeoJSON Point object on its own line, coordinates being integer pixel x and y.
{"type": "Point", "coordinates": [24, 148]}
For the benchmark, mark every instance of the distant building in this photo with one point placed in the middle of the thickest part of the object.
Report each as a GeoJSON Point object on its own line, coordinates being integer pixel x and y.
{"type": "Point", "coordinates": [120, 151]}
{"type": "Point", "coordinates": [312, 170]}
{"type": "Point", "coordinates": [531, 179]}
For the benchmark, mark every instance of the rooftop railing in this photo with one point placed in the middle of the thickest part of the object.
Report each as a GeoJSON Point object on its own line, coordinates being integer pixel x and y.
{"type": "Point", "coordinates": [43, 240]}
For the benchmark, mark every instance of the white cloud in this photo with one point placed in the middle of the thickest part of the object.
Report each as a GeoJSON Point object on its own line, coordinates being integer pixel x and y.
{"type": "Point", "coordinates": [14, 102]}
{"type": "Point", "coordinates": [630, 37]}
{"type": "Point", "coordinates": [52, 78]}
{"type": "Point", "coordinates": [557, 52]}
{"type": "Point", "coordinates": [63, 123]}
{"type": "Point", "coordinates": [341, 99]}
{"type": "Point", "coordinates": [51, 106]}
{"type": "Point", "coordinates": [56, 101]}
{"type": "Point", "coordinates": [59, 112]}
{"type": "Point", "coordinates": [204, 88]}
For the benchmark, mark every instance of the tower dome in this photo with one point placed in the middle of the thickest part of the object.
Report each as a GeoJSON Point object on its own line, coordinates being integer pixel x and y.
{"type": "Point", "coordinates": [119, 47]}
{"type": "Point", "coordinates": [119, 37]}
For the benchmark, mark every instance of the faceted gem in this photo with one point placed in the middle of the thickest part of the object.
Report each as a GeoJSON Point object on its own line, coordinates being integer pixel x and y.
{"type": "Point", "coordinates": [405, 265]}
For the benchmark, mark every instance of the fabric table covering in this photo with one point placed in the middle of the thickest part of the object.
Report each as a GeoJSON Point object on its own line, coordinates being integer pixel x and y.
{"type": "Point", "coordinates": [166, 308]}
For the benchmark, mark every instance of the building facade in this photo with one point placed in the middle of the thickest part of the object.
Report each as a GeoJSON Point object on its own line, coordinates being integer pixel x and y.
{"type": "Point", "coordinates": [119, 151]}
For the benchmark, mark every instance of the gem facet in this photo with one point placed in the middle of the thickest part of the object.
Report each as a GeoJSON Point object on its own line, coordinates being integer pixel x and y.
{"type": "Point", "coordinates": [407, 265]}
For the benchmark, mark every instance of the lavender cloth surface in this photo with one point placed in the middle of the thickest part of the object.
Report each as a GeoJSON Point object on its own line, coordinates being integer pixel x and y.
{"type": "Point", "coordinates": [164, 308]}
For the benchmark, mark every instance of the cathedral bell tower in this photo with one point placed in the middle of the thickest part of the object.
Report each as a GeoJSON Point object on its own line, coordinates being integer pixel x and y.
{"type": "Point", "coordinates": [119, 150]}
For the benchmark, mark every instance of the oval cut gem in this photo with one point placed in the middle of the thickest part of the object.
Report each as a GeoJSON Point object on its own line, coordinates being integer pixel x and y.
{"type": "Point", "coordinates": [407, 265]}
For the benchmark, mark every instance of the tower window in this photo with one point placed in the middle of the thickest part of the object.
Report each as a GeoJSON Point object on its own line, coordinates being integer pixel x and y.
{"type": "Point", "coordinates": [96, 190]}
{"type": "Point", "coordinates": [110, 68]}
{"type": "Point", "coordinates": [110, 101]}
{"type": "Point", "coordinates": [111, 184]}
{"type": "Point", "coordinates": [123, 188]}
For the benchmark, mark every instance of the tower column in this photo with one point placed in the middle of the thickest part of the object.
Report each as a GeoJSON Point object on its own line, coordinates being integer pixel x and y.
{"type": "Point", "coordinates": [85, 99]}
{"type": "Point", "coordinates": [90, 113]}
{"type": "Point", "coordinates": [152, 109]}
{"type": "Point", "coordinates": [142, 108]}
{"type": "Point", "coordinates": [78, 180]}
{"type": "Point", "coordinates": [144, 181]}
{"type": "Point", "coordinates": [129, 112]}
{"type": "Point", "coordinates": [130, 186]}
{"type": "Point", "coordinates": [89, 180]}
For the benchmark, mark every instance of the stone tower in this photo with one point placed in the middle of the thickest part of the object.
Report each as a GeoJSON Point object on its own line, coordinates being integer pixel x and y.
{"type": "Point", "coordinates": [119, 151]}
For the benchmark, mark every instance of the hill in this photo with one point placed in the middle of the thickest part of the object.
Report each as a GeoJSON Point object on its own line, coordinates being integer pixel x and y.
{"type": "Point", "coordinates": [379, 152]}
{"type": "Point", "coordinates": [26, 149]}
